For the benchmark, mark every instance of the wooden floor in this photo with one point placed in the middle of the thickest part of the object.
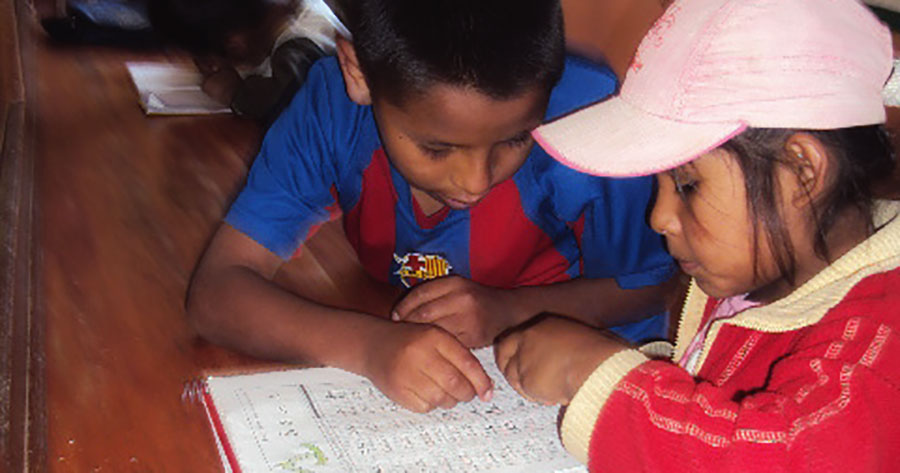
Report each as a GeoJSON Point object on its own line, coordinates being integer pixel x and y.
{"type": "Point", "coordinates": [125, 205]}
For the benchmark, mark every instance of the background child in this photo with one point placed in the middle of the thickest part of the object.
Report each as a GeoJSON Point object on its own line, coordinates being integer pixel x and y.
{"type": "Point", "coordinates": [254, 54]}
{"type": "Point", "coordinates": [761, 119]}
{"type": "Point", "coordinates": [419, 133]}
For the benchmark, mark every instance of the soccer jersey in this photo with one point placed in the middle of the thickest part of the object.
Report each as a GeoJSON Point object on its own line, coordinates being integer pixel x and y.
{"type": "Point", "coordinates": [546, 224]}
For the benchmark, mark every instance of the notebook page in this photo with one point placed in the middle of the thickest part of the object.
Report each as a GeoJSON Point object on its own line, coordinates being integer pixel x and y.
{"type": "Point", "coordinates": [328, 420]}
{"type": "Point", "coordinates": [171, 89]}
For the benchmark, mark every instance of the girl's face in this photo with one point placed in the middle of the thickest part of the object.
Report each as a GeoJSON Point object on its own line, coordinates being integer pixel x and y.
{"type": "Point", "coordinates": [701, 209]}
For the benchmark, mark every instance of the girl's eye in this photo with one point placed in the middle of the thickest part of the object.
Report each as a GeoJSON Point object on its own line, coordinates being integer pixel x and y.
{"type": "Point", "coordinates": [685, 185]}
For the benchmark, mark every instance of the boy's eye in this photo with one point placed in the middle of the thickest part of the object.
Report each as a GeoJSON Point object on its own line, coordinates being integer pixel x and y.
{"type": "Point", "coordinates": [435, 151]}
{"type": "Point", "coordinates": [519, 140]}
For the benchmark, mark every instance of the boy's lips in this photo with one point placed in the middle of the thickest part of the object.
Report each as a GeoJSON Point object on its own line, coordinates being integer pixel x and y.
{"type": "Point", "coordinates": [460, 203]}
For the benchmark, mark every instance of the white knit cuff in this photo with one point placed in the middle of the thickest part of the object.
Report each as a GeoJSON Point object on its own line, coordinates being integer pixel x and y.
{"type": "Point", "coordinates": [581, 415]}
{"type": "Point", "coordinates": [658, 350]}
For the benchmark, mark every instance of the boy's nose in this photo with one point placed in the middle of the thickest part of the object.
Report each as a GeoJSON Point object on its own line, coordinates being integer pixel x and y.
{"type": "Point", "coordinates": [473, 174]}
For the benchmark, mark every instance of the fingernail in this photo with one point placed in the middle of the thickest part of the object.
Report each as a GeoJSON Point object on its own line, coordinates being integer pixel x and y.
{"type": "Point", "coordinates": [488, 395]}
{"type": "Point", "coordinates": [395, 316]}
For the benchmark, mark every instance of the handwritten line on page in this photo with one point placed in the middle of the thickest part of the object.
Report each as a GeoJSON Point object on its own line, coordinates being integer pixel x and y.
{"type": "Point", "coordinates": [171, 89]}
{"type": "Point", "coordinates": [324, 420]}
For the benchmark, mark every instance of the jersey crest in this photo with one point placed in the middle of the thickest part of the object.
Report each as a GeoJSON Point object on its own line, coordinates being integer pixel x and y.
{"type": "Point", "coordinates": [416, 268]}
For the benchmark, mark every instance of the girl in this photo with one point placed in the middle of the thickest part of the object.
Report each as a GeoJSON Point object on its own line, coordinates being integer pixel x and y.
{"type": "Point", "coordinates": [762, 121]}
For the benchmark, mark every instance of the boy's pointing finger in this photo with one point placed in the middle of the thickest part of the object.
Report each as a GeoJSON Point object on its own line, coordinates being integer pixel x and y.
{"type": "Point", "coordinates": [464, 361]}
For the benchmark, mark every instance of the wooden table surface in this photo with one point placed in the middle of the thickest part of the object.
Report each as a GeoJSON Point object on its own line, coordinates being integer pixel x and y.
{"type": "Point", "coordinates": [126, 204]}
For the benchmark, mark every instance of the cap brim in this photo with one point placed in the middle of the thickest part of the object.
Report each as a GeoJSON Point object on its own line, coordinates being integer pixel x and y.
{"type": "Point", "coordinates": [614, 138]}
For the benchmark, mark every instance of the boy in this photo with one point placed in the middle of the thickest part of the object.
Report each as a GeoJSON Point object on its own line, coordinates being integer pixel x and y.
{"type": "Point", "coordinates": [254, 54]}
{"type": "Point", "coordinates": [421, 135]}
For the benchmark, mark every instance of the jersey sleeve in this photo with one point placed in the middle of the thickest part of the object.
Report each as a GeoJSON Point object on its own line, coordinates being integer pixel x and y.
{"type": "Point", "coordinates": [290, 183]}
{"type": "Point", "coordinates": [608, 215]}
{"type": "Point", "coordinates": [616, 240]}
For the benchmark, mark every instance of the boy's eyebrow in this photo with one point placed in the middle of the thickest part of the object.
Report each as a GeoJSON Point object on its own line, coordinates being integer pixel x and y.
{"type": "Point", "coordinates": [522, 134]}
{"type": "Point", "coordinates": [447, 144]}
{"type": "Point", "coordinates": [443, 144]}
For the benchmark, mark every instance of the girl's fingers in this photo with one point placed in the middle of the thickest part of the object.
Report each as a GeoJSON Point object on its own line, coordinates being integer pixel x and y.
{"type": "Point", "coordinates": [506, 348]}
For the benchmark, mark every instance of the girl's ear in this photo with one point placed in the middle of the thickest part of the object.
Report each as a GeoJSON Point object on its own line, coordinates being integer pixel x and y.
{"type": "Point", "coordinates": [808, 158]}
{"type": "Point", "coordinates": [354, 79]}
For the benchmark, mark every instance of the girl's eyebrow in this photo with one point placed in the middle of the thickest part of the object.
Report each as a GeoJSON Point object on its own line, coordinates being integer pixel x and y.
{"type": "Point", "coordinates": [680, 170]}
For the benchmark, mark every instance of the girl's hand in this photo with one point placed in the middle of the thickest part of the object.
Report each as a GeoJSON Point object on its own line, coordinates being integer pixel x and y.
{"type": "Point", "coordinates": [550, 360]}
{"type": "Point", "coordinates": [475, 314]}
{"type": "Point", "coordinates": [422, 367]}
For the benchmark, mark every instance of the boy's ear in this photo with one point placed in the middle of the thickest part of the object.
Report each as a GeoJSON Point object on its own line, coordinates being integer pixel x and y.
{"type": "Point", "coordinates": [809, 158]}
{"type": "Point", "coordinates": [354, 79]}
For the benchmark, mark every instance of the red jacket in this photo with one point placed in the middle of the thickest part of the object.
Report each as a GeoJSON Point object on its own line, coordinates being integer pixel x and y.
{"type": "Point", "coordinates": [807, 383]}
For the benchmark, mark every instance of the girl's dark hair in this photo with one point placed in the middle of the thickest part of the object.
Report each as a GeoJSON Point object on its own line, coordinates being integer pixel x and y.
{"type": "Point", "coordinates": [202, 26]}
{"type": "Point", "coordinates": [497, 47]}
{"type": "Point", "coordinates": [860, 156]}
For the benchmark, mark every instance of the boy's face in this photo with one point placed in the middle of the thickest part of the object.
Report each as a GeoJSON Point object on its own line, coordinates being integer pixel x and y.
{"type": "Point", "coordinates": [454, 144]}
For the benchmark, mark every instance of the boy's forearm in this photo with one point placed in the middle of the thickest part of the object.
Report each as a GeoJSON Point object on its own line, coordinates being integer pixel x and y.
{"type": "Point", "coordinates": [597, 302]}
{"type": "Point", "coordinates": [240, 309]}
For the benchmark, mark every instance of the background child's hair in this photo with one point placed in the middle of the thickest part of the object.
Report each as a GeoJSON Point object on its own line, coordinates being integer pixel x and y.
{"type": "Point", "coordinates": [859, 157]}
{"type": "Point", "coordinates": [498, 47]}
{"type": "Point", "coordinates": [202, 26]}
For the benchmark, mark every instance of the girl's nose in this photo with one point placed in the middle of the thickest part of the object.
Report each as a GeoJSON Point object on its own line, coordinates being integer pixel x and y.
{"type": "Point", "coordinates": [664, 216]}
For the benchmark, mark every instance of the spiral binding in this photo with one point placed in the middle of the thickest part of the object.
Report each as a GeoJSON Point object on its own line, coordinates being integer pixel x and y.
{"type": "Point", "coordinates": [193, 390]}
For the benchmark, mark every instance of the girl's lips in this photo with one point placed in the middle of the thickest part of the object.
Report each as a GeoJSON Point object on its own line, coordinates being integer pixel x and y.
{"type": "Point", "coordinates": [688, 267]}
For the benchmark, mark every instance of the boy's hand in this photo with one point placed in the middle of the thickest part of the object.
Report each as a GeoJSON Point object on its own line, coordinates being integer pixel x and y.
{"type": "Point", "coordinates": [475, 314]}
{"type": "Point", "coordinates": [423, 367]}
{"type": "Point", "coordinates": [222, 85]}
{"type": "Point", "coordinates": [550, 360]}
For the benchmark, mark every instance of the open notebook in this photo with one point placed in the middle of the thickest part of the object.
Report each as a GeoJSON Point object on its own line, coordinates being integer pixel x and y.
{"type": "Point", "coordinates": [328, 420]}
{"type": "Point", "coordinates": [171, 89]}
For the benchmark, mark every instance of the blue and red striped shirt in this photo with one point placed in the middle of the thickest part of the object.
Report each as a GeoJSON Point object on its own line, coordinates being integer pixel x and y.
{"type": "Point", "coordinates": [546, 224]}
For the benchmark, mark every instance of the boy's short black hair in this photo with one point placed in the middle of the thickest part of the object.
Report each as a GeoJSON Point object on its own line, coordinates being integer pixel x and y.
{"type": "Point", "coordinates": [202, 26]}
{"type": "Point", "coordinates": [498, 47]}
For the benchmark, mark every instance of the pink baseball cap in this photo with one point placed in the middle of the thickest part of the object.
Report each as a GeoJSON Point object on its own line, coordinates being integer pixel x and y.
{"type": "Point", "coordinates": [709, 69]}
